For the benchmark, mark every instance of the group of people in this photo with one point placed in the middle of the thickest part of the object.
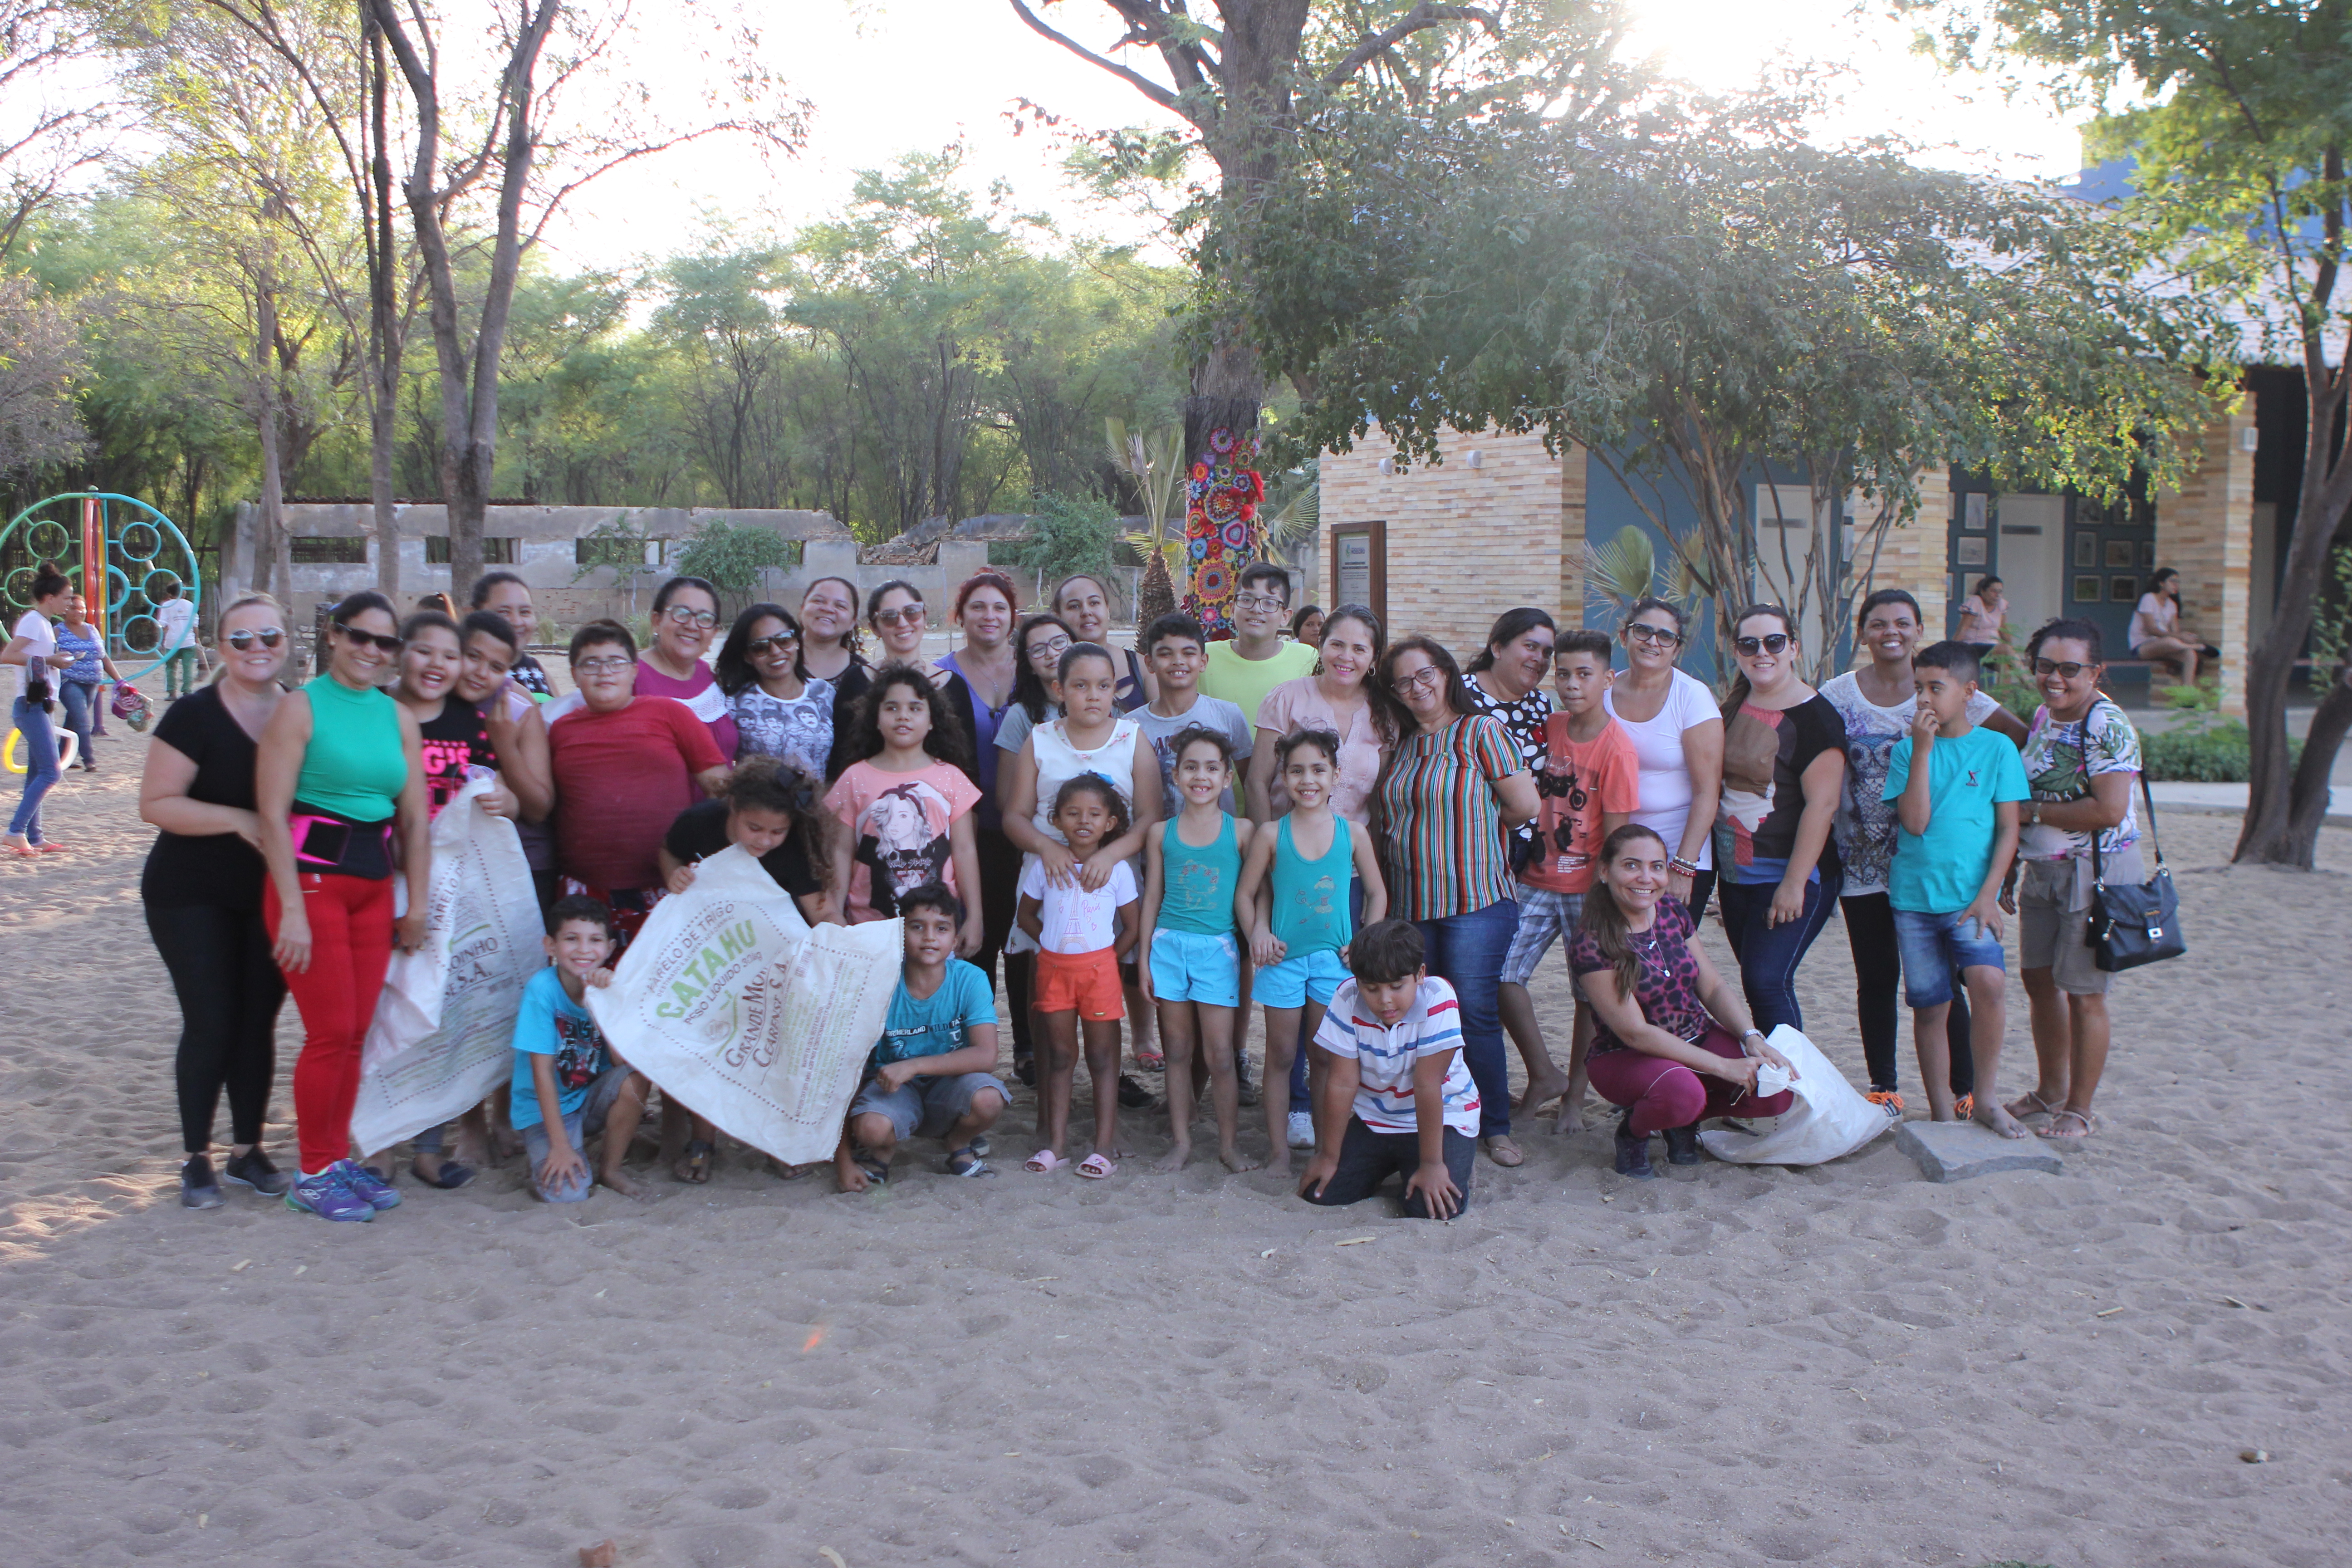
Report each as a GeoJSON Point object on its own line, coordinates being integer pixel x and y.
{"type": "Point", "coordinates": [1372, 843]}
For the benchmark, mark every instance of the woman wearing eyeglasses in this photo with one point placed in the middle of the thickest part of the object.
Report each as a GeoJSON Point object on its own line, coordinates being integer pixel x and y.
{"type": "Point", "coordinates": [778, 712]}
{"type": "Point", "coordinates": [1041, 641]}
{"type": "Point", "coordinates": [339, 771]}
{"type": "Point", "coordinates": [202, 890]}
{"type": "Point", "coordinates": [685, 623]}
{"type": "Point", "coordinates": [1456, 785]}
{"type": "Point", "coordinates": [1678, 735]}
{"type": "Point", "coordinates": [1783, 775]}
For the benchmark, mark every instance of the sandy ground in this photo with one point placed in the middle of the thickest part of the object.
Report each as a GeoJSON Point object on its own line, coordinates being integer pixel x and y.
{"type": "Point", "coordinates": [1842, 1365]}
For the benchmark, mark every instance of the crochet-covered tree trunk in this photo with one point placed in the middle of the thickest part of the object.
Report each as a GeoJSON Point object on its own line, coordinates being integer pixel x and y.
{"type": "Point", "coordinates": [1155, 596]}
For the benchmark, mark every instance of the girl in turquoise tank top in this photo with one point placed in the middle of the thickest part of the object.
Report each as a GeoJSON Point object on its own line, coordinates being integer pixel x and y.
{"type": "Point", "coordinates": [1296, 893]}
{"type": "Point", "coordinates": [1192, 961]}
{"type": "Point", "coordinates": [339, 780]}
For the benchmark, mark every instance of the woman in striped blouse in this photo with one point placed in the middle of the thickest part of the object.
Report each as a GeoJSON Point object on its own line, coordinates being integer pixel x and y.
{"type": "Point", "coordinates": [1454, 789]}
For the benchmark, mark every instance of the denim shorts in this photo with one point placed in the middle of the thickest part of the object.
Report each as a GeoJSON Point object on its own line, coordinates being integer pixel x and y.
{"type": "Point", "coordinates": [1933, 946]}
{"type": "Point", "coordinates": [1194, 966]}
{"type": "Point", "coordinates": [1545, 916]}
{"type": "Point", "coordinates": [1290, 983]}
{"type": "Point", "coordinates": [927, 1106]}
{"type": "Point", "coordinates": [578, 1125]}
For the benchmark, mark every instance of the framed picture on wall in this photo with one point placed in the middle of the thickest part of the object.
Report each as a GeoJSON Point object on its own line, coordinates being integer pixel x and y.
{"type": "Point", "coordinates": [1973, 508]}
{"type": "Point", "coordinates": [2123, 590]}
{"type": "Point", "coordinates": [1969, 552]}
{"type": "Point", "coordinates": [2086, 590]}
{"type": "Point", "coordinates": [2119, 553]}
{"type": "Point", "coordinates": [2086, 549]}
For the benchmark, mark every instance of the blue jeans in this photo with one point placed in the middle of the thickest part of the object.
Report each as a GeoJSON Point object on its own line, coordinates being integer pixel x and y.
{"type": "Point", "coordinates": [80, 699]}
{"type": "Point", "coordinates": [41, 770]}
{"type": "Point", "coordinates": [1769, 956]}
{"type": "Point", "coordinates": [1933, 946]}
{"type": "Point", "coordinates": [1467, 952]}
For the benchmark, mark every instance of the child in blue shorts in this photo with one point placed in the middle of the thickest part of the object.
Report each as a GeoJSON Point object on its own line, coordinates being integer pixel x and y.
{"type": "Point", "coordinates": [567, 1082]}
{"type": "Point", "coordinates": [1956, 790]}
{"type": "Point", "coordinates": [1192, 972]}
{"type": "Point", "coordinates": [929, 1074]}
{"type": "Point", "coordinates": [1294, 896]}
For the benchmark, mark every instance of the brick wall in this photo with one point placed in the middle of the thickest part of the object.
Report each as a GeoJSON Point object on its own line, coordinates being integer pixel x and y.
{"type": "Point", "coordinates": [1912, 556]}
{"type": "Point", "coordinates": [2205, 529]}
{"type": "Point", "coordinates": [1464, 543]}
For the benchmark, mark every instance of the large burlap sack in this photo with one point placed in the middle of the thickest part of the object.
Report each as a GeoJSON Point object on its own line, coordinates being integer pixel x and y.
{"type": "Point", "coordinates": [731, 1001]}
{"type": "Point", "coordinates": [443, 1035]}
{"type": "Point", "coordinates": [1829, 1119]}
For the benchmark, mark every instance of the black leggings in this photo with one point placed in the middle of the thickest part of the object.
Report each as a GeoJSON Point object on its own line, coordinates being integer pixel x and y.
{"type": "Point", "coordinates": [1878, 985]}
{"type": "Point", "coordinates": [229, 989]}
{"type": "Point", "coordinates": [1000, 883]}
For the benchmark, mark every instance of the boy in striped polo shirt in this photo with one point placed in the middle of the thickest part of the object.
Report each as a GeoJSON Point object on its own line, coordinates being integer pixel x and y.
{"type": "Point", "coordinates": [1395, 1079]}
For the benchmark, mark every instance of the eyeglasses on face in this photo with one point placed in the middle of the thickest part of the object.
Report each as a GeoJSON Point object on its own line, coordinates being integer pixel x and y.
{"type": "Point", "coordinates": [1771, 642]}
{"type": "Point", "coordinates": [1052, 648]}
{"type": "Point", "coordinates": [783, 642]}
{"type": "Point", "coordinates": [685, 616]}
{"type": "Point", "coordinates": [244, 638]}
{"type": "Point", "coordinates": [909, 615]}
{"type": "Point", "coordinates": [2068, 670]}
{"type": "Point", "coordinates": [1260, 602]}
{"type": "Point", "coordinates": [1425, 678]}
{"type": "Point", "coordinates": [1642, 631]}
{"type": "Point", "coordinates": [358, 638]}
{"type": "Point", "coordinates": [603, 664]}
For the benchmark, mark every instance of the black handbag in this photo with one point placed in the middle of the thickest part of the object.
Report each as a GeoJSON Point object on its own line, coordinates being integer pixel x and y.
{"type": "Point", "coordinates": [2138, 924]}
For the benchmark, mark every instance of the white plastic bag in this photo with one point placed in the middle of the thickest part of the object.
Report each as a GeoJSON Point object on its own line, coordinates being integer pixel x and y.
{"type": "Point", "coordinates": [443, 1034]}
{"type": "Point", "coordinates": [730, 1000]}
{"type": "Point", "coordinates": [1828, 1119]}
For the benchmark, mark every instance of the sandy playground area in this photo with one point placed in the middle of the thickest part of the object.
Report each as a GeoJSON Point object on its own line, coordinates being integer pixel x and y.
{"type": "Point", "coordinates": [1845, 1365]}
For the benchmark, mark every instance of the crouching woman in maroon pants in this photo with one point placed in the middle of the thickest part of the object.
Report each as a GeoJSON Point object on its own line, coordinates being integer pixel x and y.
{"type": "Point", "coordinates": [1673, 1042]}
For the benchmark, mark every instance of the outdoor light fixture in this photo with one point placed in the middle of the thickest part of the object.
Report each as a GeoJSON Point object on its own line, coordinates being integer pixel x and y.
{"type": "Point", "coordinates": [1388, 467]}
{"type": "Point", "coordinates": [2250, 439]}
{"type": "Point", "coordinates": [1478, 459]}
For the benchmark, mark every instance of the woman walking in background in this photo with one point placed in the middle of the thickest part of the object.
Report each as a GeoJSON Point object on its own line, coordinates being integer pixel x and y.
{"type": "Point", "coordinates": [1678, 733]}
{"type": "Point", "coordinates": [340, 770]}
{"type": "Point", "coordinates": [33, 649]}
{"type": "Point", "coordinates": [202, 890]}
{"type": "Point", "coordinates": [81, 684]}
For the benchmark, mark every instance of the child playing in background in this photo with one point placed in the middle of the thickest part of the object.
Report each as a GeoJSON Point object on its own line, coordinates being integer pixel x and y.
{"type": "Point", "coordinates": [906, 802]}
{"type": "Point", "coordinates": [1296, 902]}
{"type": "Point", "coordinates": [1956, 790]}
{"type": "Point", "coordinates": [568, 1085]}
{"type": "Point", "coordinates": [1588, 787]}
{"type": "Point", "coordinates": [929, 1074]}
{"type": "Point", "coordinates": [1191, 959]}
{"type": "Point", "coordinates": [1082, 936]}
{"type": "Point", "coordinates": [1395, 1095]}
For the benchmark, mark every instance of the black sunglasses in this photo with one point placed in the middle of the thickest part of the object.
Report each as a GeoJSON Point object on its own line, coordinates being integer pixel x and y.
{"type": "Point", "coordinates": [1771, 642]}
{"type": "Point", "coordinates": [358, 637]}
{"type": "Point", "coordinates": [244, 638]}
{"type": "Point", "coordinates": [776, 643]}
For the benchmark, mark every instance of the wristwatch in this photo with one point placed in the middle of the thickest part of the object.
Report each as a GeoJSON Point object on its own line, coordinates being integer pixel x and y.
{"type": "Point", "coordinates": [1743, 1040]}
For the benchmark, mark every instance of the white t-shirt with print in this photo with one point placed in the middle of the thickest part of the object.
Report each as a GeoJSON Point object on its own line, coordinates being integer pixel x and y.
{"type": "Point", "coordinates": [36, 629]}
{"type": "Point", "coordinates": [1070, 919]}
{"type": "Point", "coordinates": [176, 616]}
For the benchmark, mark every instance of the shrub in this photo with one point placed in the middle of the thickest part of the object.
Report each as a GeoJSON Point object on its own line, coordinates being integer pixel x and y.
{"type": "Point", "coordinates": [2207, 754]}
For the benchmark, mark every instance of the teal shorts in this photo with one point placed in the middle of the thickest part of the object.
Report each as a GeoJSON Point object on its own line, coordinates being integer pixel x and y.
{"type": "Point", "coordinates": [1303, 975]}
{"type": "Point", "coordinates": [1194, 966]}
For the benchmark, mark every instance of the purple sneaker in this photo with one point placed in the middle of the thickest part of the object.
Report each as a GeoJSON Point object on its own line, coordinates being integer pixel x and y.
{"type": "Point", "coordinates": [327, 1195]}
{"type": "Point", "coordinates": [371, 1187]}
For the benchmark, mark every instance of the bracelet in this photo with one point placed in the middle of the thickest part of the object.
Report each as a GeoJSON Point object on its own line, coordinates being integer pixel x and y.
{"type": "Point", "coordinates": [1687, 867]}
{"type": "Point", "coordinates": [1743, 1038]}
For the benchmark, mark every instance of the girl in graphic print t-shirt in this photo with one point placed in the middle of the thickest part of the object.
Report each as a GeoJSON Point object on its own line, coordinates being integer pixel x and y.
{"type": "Point", "coordinates": [906, 803]}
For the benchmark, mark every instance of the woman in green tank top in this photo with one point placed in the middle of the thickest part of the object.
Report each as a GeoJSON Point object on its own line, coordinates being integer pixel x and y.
{"type": "Point", "coordinates": [339, 775]}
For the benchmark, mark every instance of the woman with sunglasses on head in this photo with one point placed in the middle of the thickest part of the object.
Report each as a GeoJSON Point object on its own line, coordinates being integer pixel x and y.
{"type": "Point", "coordinates": [1084, 601]}
{"type": "Point", "coordinates": [1878, 703]}
{"type": "Point", "coordinates": [1783, 775]}
{"type": "Point", "coordinates": [685, 623]}
{"type": "Point", "coordinates": [1678, 735]}
{"type": "Point", "coordinates": [778, 712]}
{"type": "Point", "coordinates": [341, 772]}
{"type": "Point", "coordinates": [2082, 759]}
{"type": "Point", "coordinates": [1454, 787]}
{"type": "Point", "coordinates": [203, 892]}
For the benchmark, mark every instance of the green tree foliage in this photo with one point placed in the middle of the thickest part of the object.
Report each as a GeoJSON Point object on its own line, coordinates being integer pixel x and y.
{"type": "Point", "coordinates": [733, 554]}
{"type": "Point", "coordinates": [2238, 119]}
{"type": "Point", "coordinates": [1068, 534]}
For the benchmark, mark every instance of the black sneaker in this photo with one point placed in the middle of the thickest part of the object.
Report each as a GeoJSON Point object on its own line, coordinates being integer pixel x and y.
{"type": "Point", "coordinates": [1131, 1094]}
{"type": "Point", "coordinates": [197, 1188]}
{"type": "Point", "coordinates": [252, 1169]}
{"type": "Point", "coordinates": [1633, 1150]}
{"type": "Point", "coordinates": [1026, 1070]}
{"type": "Point", "coordinates": [1682, 1145]}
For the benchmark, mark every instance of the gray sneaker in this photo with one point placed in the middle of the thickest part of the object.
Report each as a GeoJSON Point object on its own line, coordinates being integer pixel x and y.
{"type": "Point", "coordinates": [197, 1188]}
{"type": "Point", "coordinates": [252, 1169]}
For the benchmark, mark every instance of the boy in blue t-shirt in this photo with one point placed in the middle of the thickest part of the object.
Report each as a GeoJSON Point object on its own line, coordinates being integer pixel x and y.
{"type": "Point", "coordinates": [1956, 790]}
{"type": "Point", "coordinates": [562, 1060]}
{"type": "Point", "coordinates": [929, 1074]}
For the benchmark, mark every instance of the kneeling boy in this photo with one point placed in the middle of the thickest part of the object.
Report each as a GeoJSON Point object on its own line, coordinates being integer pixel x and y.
{"type": "Point", "coordinates": [561, 1060]}
{"type": "Point", "coordinates": [929, 1071]}
{"type": "Point", "coordinates": [1394, 1078]}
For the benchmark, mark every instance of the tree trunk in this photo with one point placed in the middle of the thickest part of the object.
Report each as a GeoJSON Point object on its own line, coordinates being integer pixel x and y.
{"type": "Point", "coordinates": [1156, 596]}
{"type": "Point", "coordinates": [386, 336]}
{"type": "Point", "coordinates": [2309, 795]}
{"type": "Point", "coordinates": [271, 522]}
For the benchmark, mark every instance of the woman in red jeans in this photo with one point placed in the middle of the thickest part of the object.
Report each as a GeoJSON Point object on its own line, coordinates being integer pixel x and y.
{"type": "Point", "coordinates": [1672, 1043]}
{"type": "Point", "coordinates": [340, 772]}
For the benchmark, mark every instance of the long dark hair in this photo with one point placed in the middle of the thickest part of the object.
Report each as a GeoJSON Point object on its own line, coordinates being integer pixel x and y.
{"type": "Point", "coordinates": [733, 665]}
{"type": "Point", "coordinates": [1509, 627]}
{"type": "Point", "coordinates": [1738, 696]}
{"type": "Point", "coordinates": [1029, 688]}
{"type": "Point", "coordinates": [1388, 705]}
{"type": "Point", "coordinates": [945, 743]}
{"type": "Point", "coordinates": [1605, 921]}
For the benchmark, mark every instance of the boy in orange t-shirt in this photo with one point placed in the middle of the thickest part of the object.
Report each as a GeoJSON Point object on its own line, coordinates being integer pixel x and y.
{"type": "Point", "coordinates": [1588, 788]}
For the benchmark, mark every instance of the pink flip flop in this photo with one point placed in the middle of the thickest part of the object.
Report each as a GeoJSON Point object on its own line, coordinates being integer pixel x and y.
{"type": "Point", "coordinates": [1096, 1168]}
{"type": "Point", "coordinates": [1044, 1162]}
